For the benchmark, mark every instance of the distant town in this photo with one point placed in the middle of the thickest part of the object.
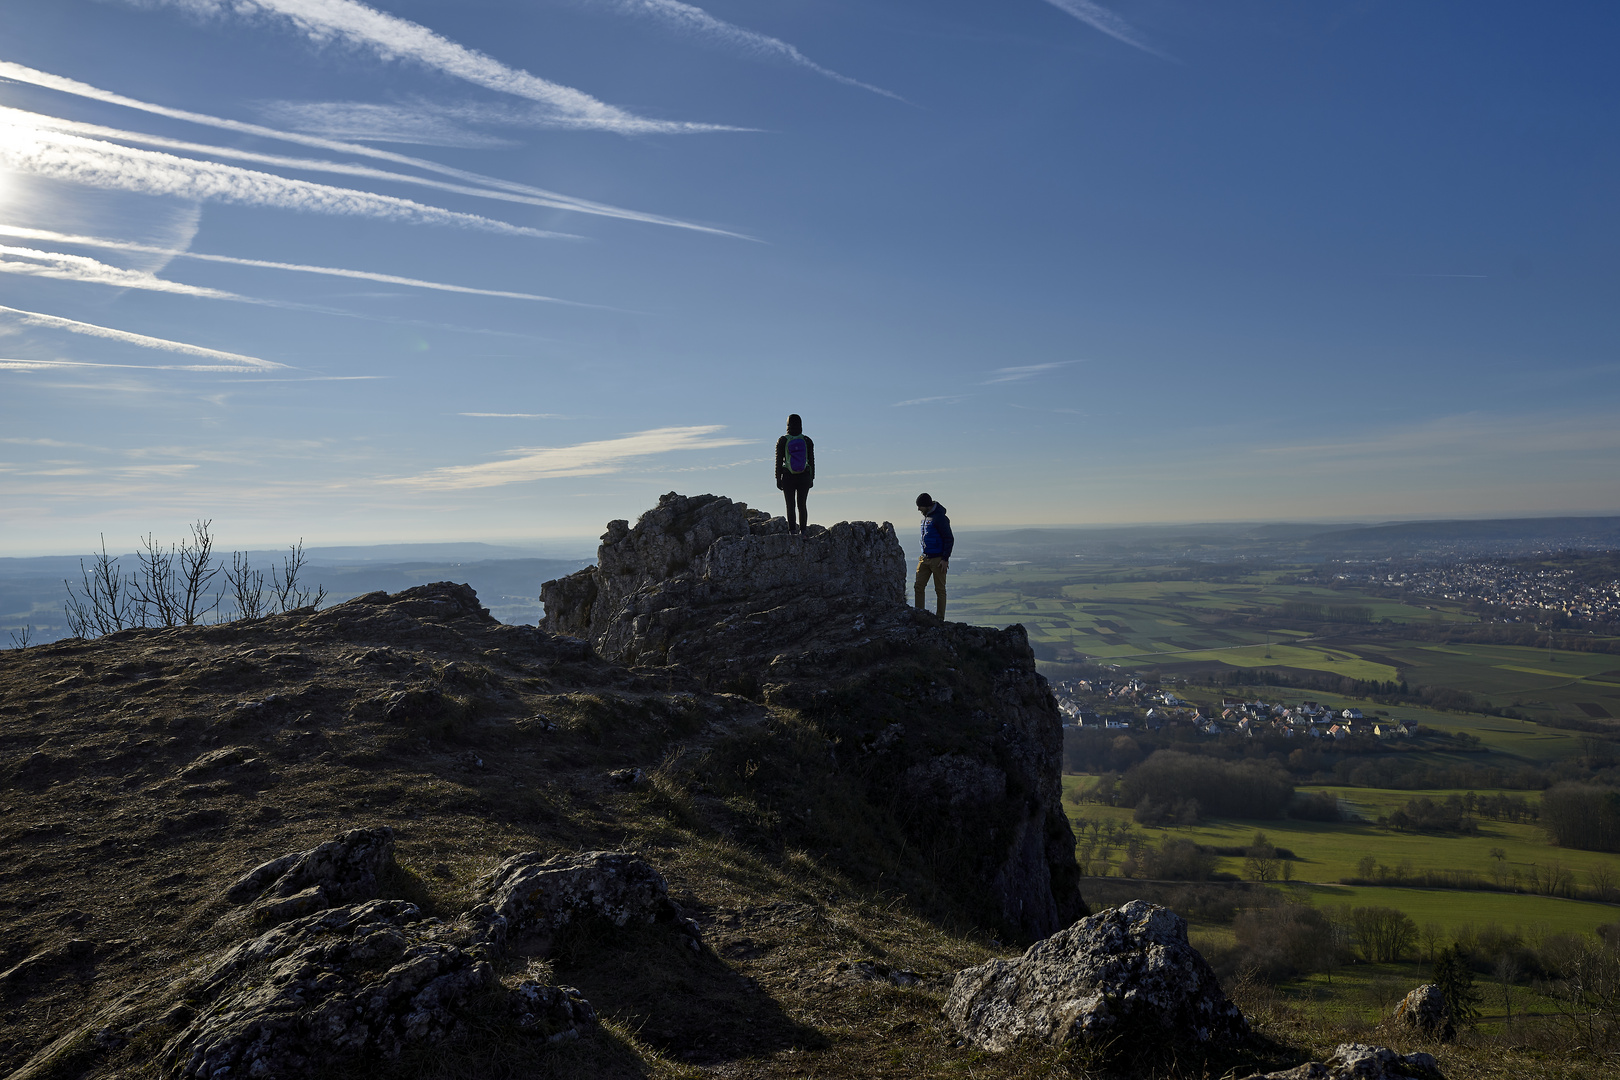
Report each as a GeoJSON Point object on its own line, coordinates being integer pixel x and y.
{"type": "Point", "coordinates": [1519, 590]}
{"type": "Point", "coordinates": [1104, 703]}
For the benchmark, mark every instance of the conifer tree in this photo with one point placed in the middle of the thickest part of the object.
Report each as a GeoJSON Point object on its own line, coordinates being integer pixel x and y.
{"type": "Point", "coordinates": [1456, 982]}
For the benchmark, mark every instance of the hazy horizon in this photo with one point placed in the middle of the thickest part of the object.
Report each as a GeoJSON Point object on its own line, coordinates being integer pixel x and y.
{"type": "Point", "coordinates": [585, 544]}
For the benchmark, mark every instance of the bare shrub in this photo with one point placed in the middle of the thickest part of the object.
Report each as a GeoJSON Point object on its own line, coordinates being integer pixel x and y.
{"type": "Point", "coordinates": [170, 585]}
{"type": "Point", "coordinates": [102, 604]}
{"type": "Point", "coordinates": [247, 587]}
{"type": "Point", "coordinates": [289, 594]}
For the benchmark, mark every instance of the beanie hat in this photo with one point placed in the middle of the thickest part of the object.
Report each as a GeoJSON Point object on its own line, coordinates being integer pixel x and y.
{"type": "Point", "coordinates": [925, 499]}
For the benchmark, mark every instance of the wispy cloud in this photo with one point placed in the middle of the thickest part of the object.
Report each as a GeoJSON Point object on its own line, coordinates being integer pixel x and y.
{"type": "Point", "coordinates": [231, 361]}
{"type": "Point", "coordinates": [556, 200]}
{"type": "Point", "coordinates": [392, 38]}
{"type": "Point", "coordinates": [24, 233]}
{"type": "Point", "coordinates": [1027, 371]}
{"type": "Point", "coordinates": [1067, 412]}
{"type": "Point", "coordinates": [699, 23]}
{"type": "Point", "coordinates": [582, 459]}
{"type": "Point", "coordinates": [29, 262]}
{"type": "Point", "coordinates": [419, 124]}
{"type": "Point", "coordinates": [517, 415]}
{"type": "Point", "coordinates": [51, 123]}
{"type": "Point", "coordinates": [1100, 18]}
{"type": "Point", "coordinates": [95, 163]}
{"type": "Point", "coordinates": [949, 398]}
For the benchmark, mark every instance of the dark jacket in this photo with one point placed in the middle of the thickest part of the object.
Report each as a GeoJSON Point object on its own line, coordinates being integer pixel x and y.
{"type": "Point", "coordinates": [808, 477]}
{"type": "Point", "coordinates": [936, 534]}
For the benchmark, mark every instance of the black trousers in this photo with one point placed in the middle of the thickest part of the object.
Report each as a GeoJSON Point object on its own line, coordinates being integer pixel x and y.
{"type": "Point", "coordinates": [795, 489]}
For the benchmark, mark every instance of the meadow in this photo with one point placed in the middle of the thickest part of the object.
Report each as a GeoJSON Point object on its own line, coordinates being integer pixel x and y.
{"type": "Point", "coordinates": [1159, 618]}
{"type": "Point", "coordinates": [1326, 852]}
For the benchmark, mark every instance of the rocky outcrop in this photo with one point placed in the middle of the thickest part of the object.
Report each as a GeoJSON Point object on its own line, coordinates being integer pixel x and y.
{"type": "Point", "coordinates": [1356, 1061]}
{"type": "Point", "coordinates": [366, 979]}
{"type": "Point", "coordinates": [952, 730]}
{"type": "Point", "coordinates": [689, 553]}
{"type": "Point", "coordinates": [341, 871]}
{"type": "Point", "coordinates": [530, 895]}
{"type": "Point", "coordinates": [1425, 1010]}
{"type": "Point", "coordinates": [1123, 976]}
{"type": "Point", "coordinates": [372, 979]}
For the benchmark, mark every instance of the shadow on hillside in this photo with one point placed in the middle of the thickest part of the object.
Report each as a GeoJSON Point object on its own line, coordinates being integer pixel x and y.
{"type": "Point", "coordinates": [690, 1006]}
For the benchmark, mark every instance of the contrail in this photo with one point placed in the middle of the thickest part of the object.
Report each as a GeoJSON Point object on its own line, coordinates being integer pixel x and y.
{"type": "Point", "coordinates": [109, 165]}
{"type": "Point", "coordinates": [694, 20]}
{"type": "Point", "coordinates": [51, 264]}
{"type": "Point", "coordinates": [45, 365]}
{"type": "Point", "coordinates": [55, 322]}
{"type": "Point", "coordinates": [583, 459]}
{"type": "Point", "coordinates": [392, 38]}
{"type": "Point", "coordinates": [33, 77]}
{"type": "Point", "coordinates": [75, 127]}
{"type": "Point", "coordinates": [23, 233]}
{"type": "Point", "coordinates": [420, 124]}
{"type": "Point", "coordinates": [1100, 18]}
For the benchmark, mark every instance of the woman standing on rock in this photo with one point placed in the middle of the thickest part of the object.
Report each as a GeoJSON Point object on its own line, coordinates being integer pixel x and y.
{"type": "Point", "coordinates": [795, 471]}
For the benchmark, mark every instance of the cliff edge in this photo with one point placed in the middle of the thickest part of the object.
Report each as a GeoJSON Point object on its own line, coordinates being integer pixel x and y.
{"type": "Point", "coordinates": [945, 728]}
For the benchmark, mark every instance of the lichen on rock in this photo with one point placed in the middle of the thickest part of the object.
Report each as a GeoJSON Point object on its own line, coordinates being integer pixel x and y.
{"type": "Point", "coordinates": [1124, 974]}
{"type": "Point", "coordinates": [691, 552]}
{"type": "Point", "coordinates": [344, 870]}
{"type": "Point", "coordinates": [532, 895]}
{"type": "Point", "coordinates": [1425, 1010]}
{"type": "Point", "coordinates": [353, 981]}
{"type": "Point", "coordinates": [1358, 1061]}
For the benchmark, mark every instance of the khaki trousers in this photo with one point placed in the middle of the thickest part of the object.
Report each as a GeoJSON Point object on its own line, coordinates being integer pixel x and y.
{"type": "Point", "coordinates": [931, 566]}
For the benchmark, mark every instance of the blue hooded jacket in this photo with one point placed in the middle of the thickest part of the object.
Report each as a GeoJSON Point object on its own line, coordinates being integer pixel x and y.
{"type": "Point", "coordinates": [936, 534]}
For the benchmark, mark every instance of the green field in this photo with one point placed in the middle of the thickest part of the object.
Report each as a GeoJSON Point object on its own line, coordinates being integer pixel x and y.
{"type": "Point", "coordinates": [1195, 627]}
{"type": "Point", "coordinates": [1369, 992]}
{"type": "Point", "coordinates": [1329, 851]}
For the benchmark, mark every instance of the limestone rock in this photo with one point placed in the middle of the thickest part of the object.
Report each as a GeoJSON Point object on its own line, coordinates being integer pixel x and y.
{"type": "Point", "coordinates": [694, 551]}
{"type": "Point", "coordinates": [359, 980]}
{"type": "Point", "coordinates": [532, 895]}
{"type": "Point", "coordinates": [967, 757]}
{"type": "Point", "coordinates": [1356, 1061]}
{"type": "Point", "coordinates": [345, 870]}
{"type": "Point", "coordinates": [555, 1012]}
{"type": "Point", "coordinates": [1125, 973]}
{"type": "Point", "coordinates": [1425, 1009]}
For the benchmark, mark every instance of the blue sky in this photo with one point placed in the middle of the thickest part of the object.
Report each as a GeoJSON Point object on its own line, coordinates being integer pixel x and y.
{"type": "Point", "coordinates": [490, 270]}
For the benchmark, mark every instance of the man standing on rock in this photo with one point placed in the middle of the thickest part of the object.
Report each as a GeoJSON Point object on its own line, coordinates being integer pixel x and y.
{"type": "Point", "coordinates": [937, 542]}
{"type": "Point", "coordinates": [795, 471]}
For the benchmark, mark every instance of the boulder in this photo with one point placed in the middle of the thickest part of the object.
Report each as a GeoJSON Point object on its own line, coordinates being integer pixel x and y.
{"type": "Point", "coordinates": [1425, 1010]}
{"type": "Point", "coordinates": [344, 870]}
{"type": "Point", "coordinates": [354, 981]}
{"type": "Point", "coordinates": [1125, 977]}
{"type": "Point", "coordinates": [532, 895]}
{"type": "Point", "coordinates": [1356, 1061]}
